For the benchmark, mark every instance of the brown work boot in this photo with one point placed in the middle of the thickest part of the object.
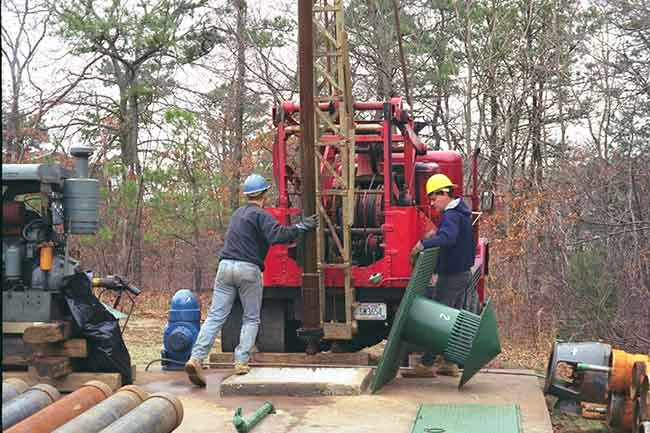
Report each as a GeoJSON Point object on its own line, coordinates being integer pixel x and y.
{"type": "Point", "coordinates": [421, 370]}
{"type": "Point", "coordinates": [241, 368]}
{"type": "Point", "coordinates": [448, 368]}
{"type": "Point", "coordinates": [194, 371]}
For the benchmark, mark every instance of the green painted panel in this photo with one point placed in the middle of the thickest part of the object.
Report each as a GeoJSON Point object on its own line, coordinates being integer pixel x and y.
{"type": "Point", "coordinates": [467, 418]}
{"type": "Point", "coordinates": [395, 349]}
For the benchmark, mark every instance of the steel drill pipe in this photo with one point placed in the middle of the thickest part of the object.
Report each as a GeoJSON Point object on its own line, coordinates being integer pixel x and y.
{"type": "Point", "coordinates": [28, 403]}
{"type": "Point", "coordinates": [160, 413]}
{"type": "Point", "coordinates": [107, 412]}
{"type": "Point", "coordinates": [65, 409]}
{"type": "Point", "coordinates": [620, 378]}
{"type": "Point", "coordinates": [12, 388]}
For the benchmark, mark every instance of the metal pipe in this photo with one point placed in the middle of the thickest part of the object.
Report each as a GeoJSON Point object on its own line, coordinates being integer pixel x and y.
{"type": "Point", "coordinates": [160, 413]}
{"type": "Point", "coordinates": [81, 154]}
{"type": "Point", "coordinates": [244, 426]}
{"type": "Point", "coordinates": [65, 409]}
{"type": "Point", "coordinates": [13, 387]}
{"type": "Point", "coordinates": [311, 330]}
{"type": "Point", "coordinates": [591, 367]}
{"type": "Point", "coordinates": [28, 403]}
{"type": "Point", "coordinates": [475, 204]}
{"type": "Point", "coordinates": [107, 412]}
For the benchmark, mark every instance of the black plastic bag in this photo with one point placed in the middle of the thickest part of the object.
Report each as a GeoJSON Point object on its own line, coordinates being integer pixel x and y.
{"type": "Point", "coordinates": [107, 352]}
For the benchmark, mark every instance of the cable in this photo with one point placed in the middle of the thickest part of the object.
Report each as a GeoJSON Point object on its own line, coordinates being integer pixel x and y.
{"type": "Point", "coordinates": [173, 361]}
{"type": "Point", "coordinates": [512, 373]}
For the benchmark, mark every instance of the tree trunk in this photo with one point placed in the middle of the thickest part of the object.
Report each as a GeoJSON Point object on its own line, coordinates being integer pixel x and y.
{"type": "Point", "coordinates": [383, 38]}
{"type": "Point", "coordinates": [238, 105]}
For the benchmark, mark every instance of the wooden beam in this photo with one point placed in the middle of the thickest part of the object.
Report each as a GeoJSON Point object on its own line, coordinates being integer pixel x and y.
{"type": "Point", "coordinates": [49, 332]}
{"type": "Point", "coordinates": [16, 352]}
{"type": "Point", "coordinates": [280, 359]}
{"type": "Point", "coordinates": [17, 327]}
{"type": "Point", "coordinates": [69, 383]}
{"type": "Point", "coordinates": [337, 331]}
{"type": "Point", "coordinates": [52, 367]}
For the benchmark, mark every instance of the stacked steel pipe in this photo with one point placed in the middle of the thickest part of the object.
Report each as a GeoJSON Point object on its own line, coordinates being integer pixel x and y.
{"type": "Point", "coordinates": [107, 412]}
{"type": "Point", "coordinates": [65, 409]}
{"type": "Point", "coordinates": [28, 403]}
{"type": "Point", "coordinates": [11, 388]}
{"type": "Point", "coordinates": [90, 409]}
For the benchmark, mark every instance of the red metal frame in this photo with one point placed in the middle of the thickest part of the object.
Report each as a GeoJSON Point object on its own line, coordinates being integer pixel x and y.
{"type": "Point", "coordinates": [403, 225]}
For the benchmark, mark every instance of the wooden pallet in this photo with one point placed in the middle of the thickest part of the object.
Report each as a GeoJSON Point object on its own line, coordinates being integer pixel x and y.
{"type": "Point", "coordinates": [46, 350]}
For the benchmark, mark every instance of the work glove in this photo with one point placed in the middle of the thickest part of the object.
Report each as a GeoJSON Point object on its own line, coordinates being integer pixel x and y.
{"type": "Point", "coordinates": [415, 252]}
{"type": "Point", "coordinates": [307, 224]}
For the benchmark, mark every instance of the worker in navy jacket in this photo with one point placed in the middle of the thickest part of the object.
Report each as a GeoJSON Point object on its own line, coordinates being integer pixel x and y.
{"type": "Point", "coordinates": [251, 232]}
{"type": "Point", "coordinates": [455, 239]}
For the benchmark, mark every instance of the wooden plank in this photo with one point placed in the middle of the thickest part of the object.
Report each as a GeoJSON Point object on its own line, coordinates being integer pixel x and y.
{"type": "Point", "coordinates": [69, 383]}
{"type": "Point", "coordinates": [337, 331]}
{"type": "Point", "coordinates": [16, 352]}
{"type": "Point", "coordinates": [295, 359]}
{"type": "Point", "coordinates": [17, 327]}
{"type": "Point", "coordinates": [17, 359]}
{"type": "Point", "coordinates": [53, 367]}
{"type": "Point", "coordinates": [50, 332]}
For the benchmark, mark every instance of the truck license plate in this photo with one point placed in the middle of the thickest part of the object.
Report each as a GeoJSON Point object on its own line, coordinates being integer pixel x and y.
{"type": "Point", "coordinates": [370, 311]}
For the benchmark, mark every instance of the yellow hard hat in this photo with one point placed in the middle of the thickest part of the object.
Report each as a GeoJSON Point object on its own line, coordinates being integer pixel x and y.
{"type": "Point", "coordinates": [438, 182]}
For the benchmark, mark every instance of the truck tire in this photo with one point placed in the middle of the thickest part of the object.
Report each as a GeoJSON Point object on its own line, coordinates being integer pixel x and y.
{"type": "Point", "coordinates": [271, 336]}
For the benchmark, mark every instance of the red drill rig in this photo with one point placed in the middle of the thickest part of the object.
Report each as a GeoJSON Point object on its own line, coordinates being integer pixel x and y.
{"type": "Point", "coordinates": [362, 171]}
{"type": "Point", "coordinates": [391, 213]}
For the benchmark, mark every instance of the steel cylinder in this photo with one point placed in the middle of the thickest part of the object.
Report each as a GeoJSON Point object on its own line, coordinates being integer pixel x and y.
{"type": "Point", "coordinates": [107, 412]}
{"type": "Point", "coordinates": [622, 362]}
{"type": "Point", "coordinates": [65, 409]}
{"type": "Point", "coordinates": [28, 403]}
{"type": "Point", "coordinates": [12, 388]}
{"type": "Point", "coordinates": [160, 413]}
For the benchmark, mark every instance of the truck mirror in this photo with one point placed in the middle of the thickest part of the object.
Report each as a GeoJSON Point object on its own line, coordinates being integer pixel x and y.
{"type": "Point", "coordinates": [487, 201]}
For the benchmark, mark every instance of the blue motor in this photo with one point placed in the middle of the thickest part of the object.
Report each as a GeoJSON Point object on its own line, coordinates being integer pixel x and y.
{"type": "Point", "coordinates": [182, 329]}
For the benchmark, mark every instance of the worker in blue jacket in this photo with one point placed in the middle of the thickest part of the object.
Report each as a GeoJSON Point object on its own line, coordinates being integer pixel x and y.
{"type": "Point", "coordinates": [251, 232]}
{"type": "Point", "coordinates": [456, 242]}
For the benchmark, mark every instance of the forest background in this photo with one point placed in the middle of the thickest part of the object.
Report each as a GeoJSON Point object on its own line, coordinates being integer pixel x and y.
{"type": "Point", "coordinates": [175, 97]}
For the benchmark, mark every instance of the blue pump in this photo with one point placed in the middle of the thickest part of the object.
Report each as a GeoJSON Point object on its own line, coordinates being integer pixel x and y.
{"type": "Point", "coordinates": [183, 325]}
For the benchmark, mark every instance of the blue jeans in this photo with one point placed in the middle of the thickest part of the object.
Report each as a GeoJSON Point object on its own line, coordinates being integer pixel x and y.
{"type": "Point", "coordinates": [233, 277]}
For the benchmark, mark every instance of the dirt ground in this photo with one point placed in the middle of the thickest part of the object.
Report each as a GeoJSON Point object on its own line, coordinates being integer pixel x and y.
{"type": "Point", "coordinates": [144, 335]}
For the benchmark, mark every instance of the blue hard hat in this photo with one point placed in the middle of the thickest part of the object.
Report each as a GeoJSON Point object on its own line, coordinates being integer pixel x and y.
{"type": "Point", "coordinates": [255, 184]}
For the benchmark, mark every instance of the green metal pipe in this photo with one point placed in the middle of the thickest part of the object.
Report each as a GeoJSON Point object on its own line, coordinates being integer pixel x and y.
{"type": "Point", "coordinates": [12, 388]}
{"type": "Point", "coordinates": [28, 403]}
{"type": "Point", "coordinates": [160, 413]}
{"type": "Point", "coordinates": [583, 366]}
{"type": "Point", "coordinates": [244, 426]}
